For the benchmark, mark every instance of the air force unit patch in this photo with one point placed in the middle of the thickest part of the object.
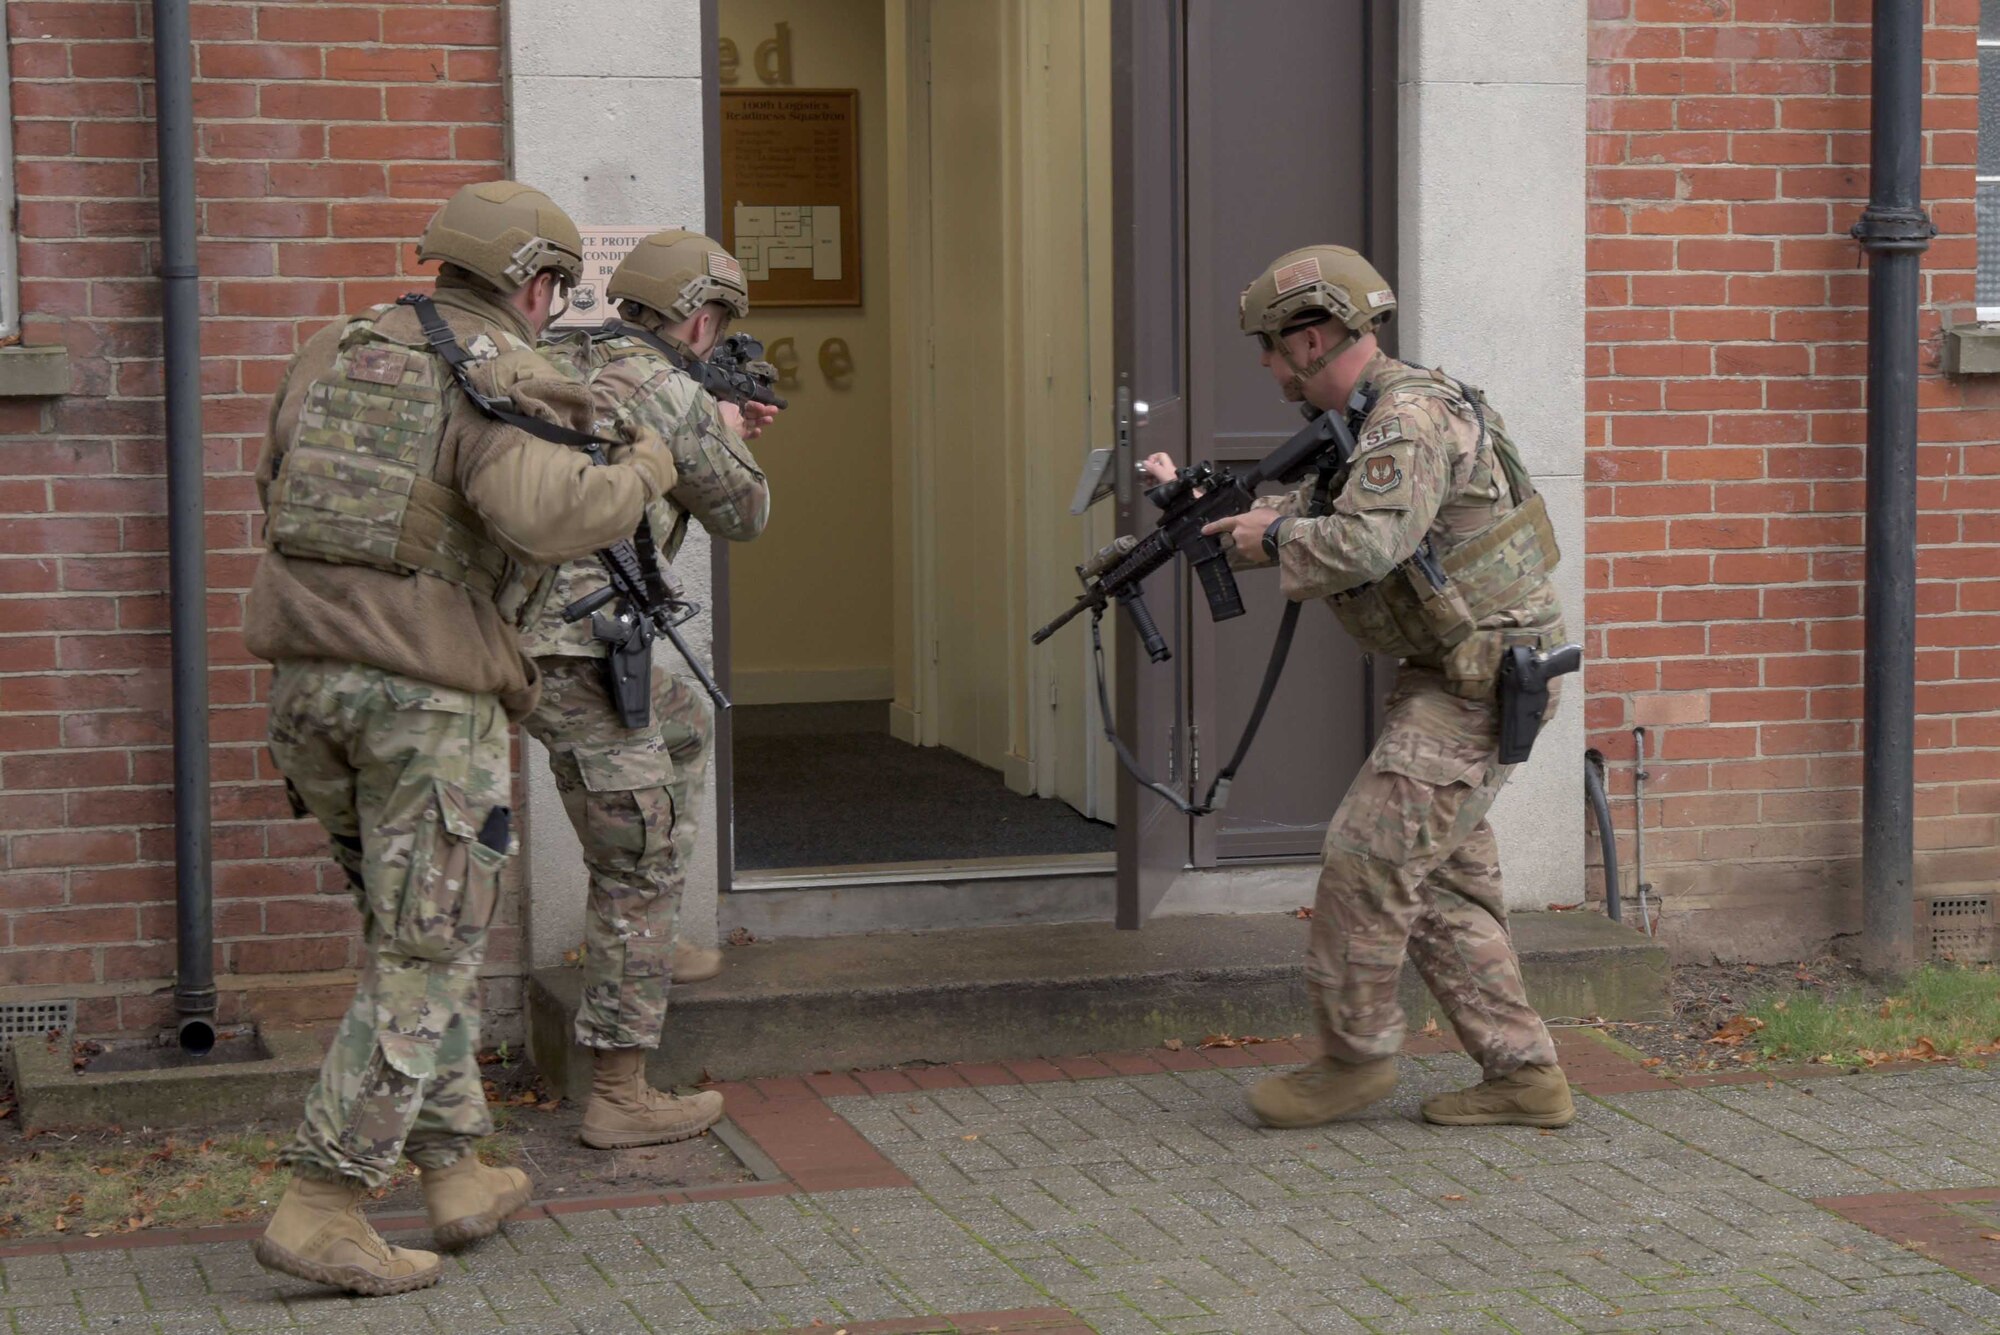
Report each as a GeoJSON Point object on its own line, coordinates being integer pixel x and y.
{"type": "Point", "coordinates": [1381, 474]}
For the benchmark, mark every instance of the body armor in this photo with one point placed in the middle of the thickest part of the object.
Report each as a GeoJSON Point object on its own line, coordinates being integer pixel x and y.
{"type": "Point", "coordinates": [357, 484]}
{"type": "Point", "coordinates": [1461, 601]}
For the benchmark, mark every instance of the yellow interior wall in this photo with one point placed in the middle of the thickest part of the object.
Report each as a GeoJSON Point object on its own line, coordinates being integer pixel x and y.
{"type": "Point", "coordinates": [811, 600]}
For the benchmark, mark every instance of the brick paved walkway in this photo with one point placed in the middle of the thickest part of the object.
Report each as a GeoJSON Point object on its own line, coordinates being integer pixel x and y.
{"type": "Point", "coordinates": [1113, 1195]}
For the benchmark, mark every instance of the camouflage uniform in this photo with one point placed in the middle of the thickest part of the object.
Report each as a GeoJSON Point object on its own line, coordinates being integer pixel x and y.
{"type": "Point", "coordinates": [393, 690]}
{"type": "Point", "coordinates": [424, 770]}
{"type": "Point", "coordinates": [631, 793]}
{"type": "Point", "coordinates": [1410, 862]}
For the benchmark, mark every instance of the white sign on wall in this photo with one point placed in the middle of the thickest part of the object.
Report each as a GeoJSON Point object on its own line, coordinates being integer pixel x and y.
{"type": "Point", "coordinates": [603, 249]}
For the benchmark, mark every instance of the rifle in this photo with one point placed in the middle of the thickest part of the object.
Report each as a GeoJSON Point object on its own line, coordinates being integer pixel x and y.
{"type": "Point", "coordinates": [734, 371]}
{"type": "Point", "coordinates": [1194, 498]}
{"type": "Point", "coordinates": [648, 606]}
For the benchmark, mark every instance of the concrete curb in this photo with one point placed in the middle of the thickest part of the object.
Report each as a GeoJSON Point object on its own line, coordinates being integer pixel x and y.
{"type": "Point", "coordinates": [1049, 990]}
{"type": "Point", "coordinates": [53, 1094]}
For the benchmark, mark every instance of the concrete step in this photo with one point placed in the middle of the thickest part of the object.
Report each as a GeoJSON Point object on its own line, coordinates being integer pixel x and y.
{"type": "Point", "coordinates": [1045, 990]}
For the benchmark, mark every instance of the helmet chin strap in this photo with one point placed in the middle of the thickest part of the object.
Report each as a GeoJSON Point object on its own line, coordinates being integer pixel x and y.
{"type": "Point", "coordinates": [1301, 374]}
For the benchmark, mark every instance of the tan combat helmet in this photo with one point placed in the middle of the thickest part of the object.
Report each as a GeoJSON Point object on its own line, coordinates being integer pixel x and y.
{"type": "Point", "coordinates": [506, 233]}
{"type": "Point", "coordinates": [677, 272]}
{"type": "Point", "coordinates": [1311, 286]}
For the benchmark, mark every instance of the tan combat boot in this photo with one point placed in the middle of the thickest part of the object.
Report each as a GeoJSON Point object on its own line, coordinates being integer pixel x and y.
{"type": "Point", "coordinates": [318, 1234]}
{"type": "Point", "coordinates": [1530, 1096]}
{"type": "Point", "coordinates": [625, 1111]}
{"type": "Point", "coordinates": [1321, 1092]}
{"type": "Point", "coordinates": [467, 1200]}
{"type": "Point", "coordinates": [692, 964]}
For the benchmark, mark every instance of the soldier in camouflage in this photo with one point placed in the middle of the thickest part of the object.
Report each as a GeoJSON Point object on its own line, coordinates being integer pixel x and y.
{"type": "Point", "coordinates": [1437, 551]}
{"type": "Point", "coordinates": [630, 793]}
{"type": "Point", "coordinates": [408, 536]}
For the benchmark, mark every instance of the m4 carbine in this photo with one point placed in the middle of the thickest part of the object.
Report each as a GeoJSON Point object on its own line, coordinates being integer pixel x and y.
{"type": "Point", "coordinates": [647, 607]}
{"type": "Point", "coordinates": [1197, 497]}
{"type": "Point", "coordinates": [736, 370]}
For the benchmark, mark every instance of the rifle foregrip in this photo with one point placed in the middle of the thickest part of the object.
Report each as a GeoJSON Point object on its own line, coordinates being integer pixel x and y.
{"type": "Point", "coordinates": [1142, 621]}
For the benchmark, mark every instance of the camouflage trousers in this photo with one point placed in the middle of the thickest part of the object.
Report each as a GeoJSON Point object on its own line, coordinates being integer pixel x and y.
{"type": "Point", "coordinates": [411, 781]}
{"type": "Point", "coordinates": [630, 794]}
{"type": "Point", "coordinates": [1411, 868]}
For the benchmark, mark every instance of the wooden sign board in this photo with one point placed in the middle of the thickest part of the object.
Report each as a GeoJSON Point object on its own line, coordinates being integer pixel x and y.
{"type": "Point", "coordinates": [791, 193]}
{"type": "Point", "coordinates": [603, 250]}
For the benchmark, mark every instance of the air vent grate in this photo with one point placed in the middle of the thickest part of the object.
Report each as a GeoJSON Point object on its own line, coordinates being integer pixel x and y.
{"type": "Point", "coordinates": [1960, 929]}
{"type": "Point", "coordinates": [34, 1019]}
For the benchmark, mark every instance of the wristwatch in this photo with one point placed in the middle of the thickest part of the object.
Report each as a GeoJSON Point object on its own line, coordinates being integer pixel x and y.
{"type": "Point", "coordinates": [1273, 535]}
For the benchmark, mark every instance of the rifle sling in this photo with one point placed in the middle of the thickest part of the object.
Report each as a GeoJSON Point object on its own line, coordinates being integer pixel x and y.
{"type": "Point", "coordinates": [1281, 648]}
{"type": "Point", "coordinates": [446, 345]}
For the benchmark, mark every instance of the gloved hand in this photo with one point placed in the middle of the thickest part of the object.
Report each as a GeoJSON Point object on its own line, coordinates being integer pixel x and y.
{"type": "Point", "coordinates": [648, 453]}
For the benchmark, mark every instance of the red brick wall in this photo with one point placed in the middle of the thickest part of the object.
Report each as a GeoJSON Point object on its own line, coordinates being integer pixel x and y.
{"type": "Point", "coordinates": [326, 133]}
{"type": "Point", "coordinates": [1728, 156]}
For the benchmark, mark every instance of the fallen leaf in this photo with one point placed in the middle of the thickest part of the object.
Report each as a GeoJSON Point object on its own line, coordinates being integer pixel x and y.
{"type": "Point", "coordinates": [742, 936]}
{"type": "Point", "coordinates": [1219, 1041]}
{"type": "Point", "coordinates": [1302, 912]}
{"type": "Point", "coordinates": [1452, 1198]}
{"type": "Point", "coordinates": [1430, 1029]}
{"type": "Point", "coordinates": [973, 1136]}
{"type": "Point", "coordinates": [1991, 1237]}
{"type": "Point", "coordinates": [1566, 908]}
{"type": "Point", "coordinates": [6, 1110]}
{"type": "Point", "coordinates": [1654, 1061]}
{"type": "Point", "coordinates": [1172, 1045]}
{"type": "Point", "coordinates": [1733, 1032]}
{"type": "Point", "coordinates": [62, 1224]}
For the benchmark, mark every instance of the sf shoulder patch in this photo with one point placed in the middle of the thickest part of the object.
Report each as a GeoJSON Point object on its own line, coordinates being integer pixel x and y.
{"type": "Point", "coordinates": [1382, 433]}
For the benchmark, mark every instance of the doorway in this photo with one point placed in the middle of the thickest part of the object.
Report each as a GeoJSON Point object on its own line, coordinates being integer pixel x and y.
{"type": "Point", "coordinates": [1059, 202]}
{"type": "Point", "coordinates": [891, 714]}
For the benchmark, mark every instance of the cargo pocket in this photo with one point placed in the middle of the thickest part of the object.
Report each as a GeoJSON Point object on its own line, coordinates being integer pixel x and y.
{"type": "Point", "coordinates": [1405, 810]}
{"type": "Point", "coordinates": [454, 884]}
{"type": "Point", "coordinates": [629, 809]}
{"type": "Point", "coordinates": [1472, 667]}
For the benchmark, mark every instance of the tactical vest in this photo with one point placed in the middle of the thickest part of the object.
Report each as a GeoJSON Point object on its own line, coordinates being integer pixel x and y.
{"type": "Point", "coordinates": [1446, 606]}
{"type": "Point", "coordinates": [357, 486]}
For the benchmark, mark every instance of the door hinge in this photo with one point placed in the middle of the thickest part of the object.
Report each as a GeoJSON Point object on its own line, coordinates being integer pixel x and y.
{"type": "Point", "coordinates": [1194, 753]}
{"type": "Point", "coordinates": [934, 653]}
{"type": "Point", "coordinates": [1055, 695]}
{"type": "Point", "coordinates": [1173, 755]}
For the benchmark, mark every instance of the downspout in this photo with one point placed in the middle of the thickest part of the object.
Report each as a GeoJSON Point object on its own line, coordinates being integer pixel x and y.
{"type": "Point", "coordinates": [1895, 231]}
{"type": "Point", "coordinates": [187, 543]}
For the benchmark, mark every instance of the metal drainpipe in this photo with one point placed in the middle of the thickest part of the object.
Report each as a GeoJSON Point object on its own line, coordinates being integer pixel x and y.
{"type": "Point", "coordinates": [187, 543]}
{"type": "Point", "coordinates": [1895, 231]}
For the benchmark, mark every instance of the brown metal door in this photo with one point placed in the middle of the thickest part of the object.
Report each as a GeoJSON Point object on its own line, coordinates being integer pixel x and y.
{"type": "Point", "coordinates": [1289, 144]}
{"type": "Point", "coordinates": [1149, 154]}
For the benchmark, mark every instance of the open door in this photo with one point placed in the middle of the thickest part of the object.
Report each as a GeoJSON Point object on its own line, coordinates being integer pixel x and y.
{"type": "Point", "coordinates": [1149, 198]}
